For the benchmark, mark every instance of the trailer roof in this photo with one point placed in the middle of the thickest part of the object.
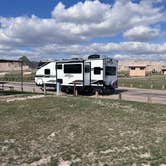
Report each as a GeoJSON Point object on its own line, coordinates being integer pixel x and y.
{"type": "Point", "coordinates": [70, 60]}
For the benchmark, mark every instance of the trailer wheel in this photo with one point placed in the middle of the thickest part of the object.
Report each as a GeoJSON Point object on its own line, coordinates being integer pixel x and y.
{"type": "Point", "coordinates": [113, 91]}
{"type": "Point", "coordinates": [99, 90]}
{"type": "Point", "coordinates": [108, 91]}
{"type": "Point", "coordinates": [93, 91]}
{"type": "Point", "coordinates": [68, 90]}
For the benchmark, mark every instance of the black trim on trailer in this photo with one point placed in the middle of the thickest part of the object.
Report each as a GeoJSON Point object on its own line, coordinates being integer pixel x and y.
{"type": "Point", "coordinates": [56, 71]}
{"type": "Point", "coordinates": [76, 81]}
{"type": "Point", "coordinates": [38, 76]}
{"type": "Point", "coordinates": [90, 73]}
{"type": "Point", "coordinates": [83, 73]}
{"type": "Point", "coordinates": [100, 82]}
{"type": "Point", "coordinates": [104, 63]}
{"type": "Point", "coordinates": [44, 64]}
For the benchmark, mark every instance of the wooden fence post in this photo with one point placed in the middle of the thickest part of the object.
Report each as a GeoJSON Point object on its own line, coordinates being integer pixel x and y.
{"type": "Point", "coordinates": [97, 94]}
{"type": "Point", "coordinates": [33, 90]}
{"type": "Point", "coordinates": [45, 92]}
{"type": "Point", "coordinates": [149, 99]}
{"type": "Point", "coordinates": [120, 96]}
{"type": "Point", "coordinates": [75, 90]}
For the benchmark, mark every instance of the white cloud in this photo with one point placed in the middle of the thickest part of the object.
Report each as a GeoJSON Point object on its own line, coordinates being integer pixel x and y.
{"type": "Point", "coordinates": [142, 33]}
{"type": "Point", "coordinates": [16, 53]}
{"type": "Point", "coordinates": [68, 30]}
{"type": "Point", "coordinates": [87, 12]}
{"type": "Point", "coordinates": [24, 31]}
{"type": "Point", "coordinates": [94, 18]}
{"type": "Point", "coordinates": [124, 49]}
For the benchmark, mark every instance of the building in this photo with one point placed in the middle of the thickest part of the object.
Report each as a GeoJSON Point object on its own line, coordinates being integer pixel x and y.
{"type": "Point", "coordinates": [151, 66]}
{"type": "Point", "coordinates": [163, 71]}
{"type": "Point", "coordinates": [137, 71]}
{"type": "Point", "coordinates": [12, 65]}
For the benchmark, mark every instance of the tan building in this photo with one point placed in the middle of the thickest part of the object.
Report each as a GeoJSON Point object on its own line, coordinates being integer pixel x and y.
{"type": "Point", "coordinates": [151, 66]}
{"type": "Point", "coordinates": [11, 65]}
{"type": "Point", "coordinates": [137, 71]}
{"type": "Point", "coordinates": [163, 71]}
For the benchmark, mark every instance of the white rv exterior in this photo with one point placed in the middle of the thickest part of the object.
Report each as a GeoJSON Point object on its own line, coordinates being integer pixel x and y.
{"type": "Point", "coordinates": [46, 74]}
{"type": "Point", "coordinates": [104, 72]}
{"type": "Point", "coordinates": [95, 72]}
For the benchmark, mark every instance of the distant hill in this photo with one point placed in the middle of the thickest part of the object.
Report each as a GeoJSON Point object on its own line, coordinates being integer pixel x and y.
{"type": "Point", "coordinates": [26, 61]}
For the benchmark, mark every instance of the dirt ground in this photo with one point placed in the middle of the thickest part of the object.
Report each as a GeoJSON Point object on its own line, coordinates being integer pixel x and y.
{"type": "Point", "coordinates": [80, 131]}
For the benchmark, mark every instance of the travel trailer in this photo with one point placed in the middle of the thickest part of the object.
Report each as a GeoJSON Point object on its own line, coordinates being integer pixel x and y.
{"type": "Point", "coordinates": [94, 73]}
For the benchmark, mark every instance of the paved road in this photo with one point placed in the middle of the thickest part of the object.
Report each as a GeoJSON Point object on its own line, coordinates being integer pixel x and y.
{"type": "Point", "coordinates": [131, 94]}
{"type": "Point", "coordinates": [28, 86]}
{"type": "Point", "coordinates": [143, 95]}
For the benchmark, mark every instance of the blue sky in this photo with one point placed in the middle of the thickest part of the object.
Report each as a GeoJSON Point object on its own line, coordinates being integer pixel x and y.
{"type": "Point", "coordinates": [14, 8]}
{"type": "Point", "coordinates": [50, 29]}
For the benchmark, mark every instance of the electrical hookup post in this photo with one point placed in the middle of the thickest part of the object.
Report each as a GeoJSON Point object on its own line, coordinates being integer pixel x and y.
{"type": "Point", "coordinates": [58, 88]}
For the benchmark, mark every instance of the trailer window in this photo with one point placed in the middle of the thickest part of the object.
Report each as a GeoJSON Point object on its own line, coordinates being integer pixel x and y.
{"type": "Point", "coordinates": [72, 68]}
{"type": "Point", "coordinates": [97, 70]}
{"type": "Point", "coordinates": [47, 71]}
{"type": "Point", "coordinates": [87, 68]}
{"type": "Point", "coordinates": [110, 71]}
{"type": "Point", "coordinates": [59, 66]}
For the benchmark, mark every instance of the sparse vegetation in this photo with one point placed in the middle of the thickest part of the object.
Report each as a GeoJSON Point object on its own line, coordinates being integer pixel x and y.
{"type": "Point", "coordinates": [16, 77]}
{"type": "Point", "coordinates": [82, 131]}
{"type": "Point", "coordinates": [123, 74]}
{"type": "Point", "coordinates": [13, 92]}
{"type": "Point", "coordinates": [149, 82]}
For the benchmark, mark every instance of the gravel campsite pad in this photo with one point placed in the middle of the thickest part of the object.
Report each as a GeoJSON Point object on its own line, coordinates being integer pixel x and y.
{"type": "Point", "coordinates": [74, 131]}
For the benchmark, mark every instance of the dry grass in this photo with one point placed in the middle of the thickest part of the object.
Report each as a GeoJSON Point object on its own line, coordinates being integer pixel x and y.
{"type": "Point", "coordinates": [149, 82]}
{"type": "Point", "coordinates": [81, 131]}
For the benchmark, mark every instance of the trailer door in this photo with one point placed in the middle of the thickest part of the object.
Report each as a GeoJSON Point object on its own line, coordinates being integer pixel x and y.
{"type": "Point", "coordinates": [59, 73]}
{"type": "Point", "coordinates": [87, 73]}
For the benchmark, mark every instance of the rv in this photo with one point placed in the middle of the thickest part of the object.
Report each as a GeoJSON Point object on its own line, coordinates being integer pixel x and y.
{"type": "Point", "coordinates": [94, 73]}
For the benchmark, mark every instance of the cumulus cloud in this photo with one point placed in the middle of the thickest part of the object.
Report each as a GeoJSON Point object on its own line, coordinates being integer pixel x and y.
{"type": "Point", "coordinates": [24, 31]}
{"type": "Point", "coordinates": [94, 18]}
{"type": "Point", "coordinates": [71, 28]}
{"type": "Point", "coordinates": [16, 53]}
{"type": "Point", "coordinates": [118, 50]}
{"type": "Point", "coordinates": [142, 33]}
{"type": "Point", "coordinates": [82, 13]}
